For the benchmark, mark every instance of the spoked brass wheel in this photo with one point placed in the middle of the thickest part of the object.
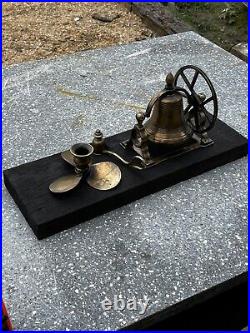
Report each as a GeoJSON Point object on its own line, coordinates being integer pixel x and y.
{"type": "Point", "coordinates": [196, 113]}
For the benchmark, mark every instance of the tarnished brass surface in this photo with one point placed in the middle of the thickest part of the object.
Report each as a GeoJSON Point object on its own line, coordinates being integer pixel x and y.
{"type": "Point", "coordinates": [167, 124]}
{"type": "Point", "coordinates": [167, 157]}
{"type": "Point", "coordinates": [104, 176]}
{"type": "Point", "coordinates": [82, 155]}
{"type": "Point", "coordinates": [137, 162]}
{"type": "Point", "coordinates": [68, 157]}
{"type": "Point", "coordinates": [66, 183]}
{"type": "Point", "coordinates": [170, 131]}
{"type": "Point", "coordinates": [98, 142]}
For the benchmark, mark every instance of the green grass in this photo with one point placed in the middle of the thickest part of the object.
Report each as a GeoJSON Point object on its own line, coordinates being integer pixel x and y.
{"type": "Point", "coordinates": [223, 23]}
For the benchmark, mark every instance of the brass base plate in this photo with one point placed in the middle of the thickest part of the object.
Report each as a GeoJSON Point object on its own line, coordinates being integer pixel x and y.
{"type": "Point", "coordinates": [166, 153]}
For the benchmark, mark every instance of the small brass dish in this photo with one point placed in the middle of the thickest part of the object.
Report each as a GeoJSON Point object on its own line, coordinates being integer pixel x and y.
{"type": "Point", "coordinates": [104, 176]}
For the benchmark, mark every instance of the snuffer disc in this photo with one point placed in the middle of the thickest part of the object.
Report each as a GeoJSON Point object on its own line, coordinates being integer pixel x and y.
{"type": "Point", "coordinates": [104, 176]}
{"type": "Point", "coordinates": [65, 183]}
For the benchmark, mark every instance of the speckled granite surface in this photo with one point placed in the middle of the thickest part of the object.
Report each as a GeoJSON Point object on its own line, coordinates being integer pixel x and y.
{"type": "Point", "coordinates": [168, 246]}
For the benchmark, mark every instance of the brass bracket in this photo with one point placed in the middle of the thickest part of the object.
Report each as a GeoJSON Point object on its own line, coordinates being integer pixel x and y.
{"type": "Point", "coordinates": [138, 140]}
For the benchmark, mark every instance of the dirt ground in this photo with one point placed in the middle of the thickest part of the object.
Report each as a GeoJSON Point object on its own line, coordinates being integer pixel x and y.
{"type": "Point", "coordinates": [41, 30]}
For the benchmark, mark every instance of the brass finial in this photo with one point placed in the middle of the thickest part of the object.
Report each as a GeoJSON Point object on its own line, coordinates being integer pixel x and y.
{"type": "Point", "coordinates": [98, 134]}
{"type": "Point", "coordinates": [98, 142]}
{"type": "Point", "coordinates": [170, 81]}
{"type": "Point", "coordinates": [140, 117]}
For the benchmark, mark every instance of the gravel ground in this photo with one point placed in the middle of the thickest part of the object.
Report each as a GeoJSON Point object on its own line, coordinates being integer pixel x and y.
{"type": "Point", "coordinates": [41, 30]}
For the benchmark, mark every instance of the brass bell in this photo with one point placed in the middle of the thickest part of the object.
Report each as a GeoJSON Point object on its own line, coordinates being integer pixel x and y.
{"type": "Point", "coordinates": [166, 124]}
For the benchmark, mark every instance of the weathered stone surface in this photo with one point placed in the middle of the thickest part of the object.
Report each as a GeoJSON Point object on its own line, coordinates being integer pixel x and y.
{"type": "Point", "coordinates": [241, 51]}
{"type": "Point", "coordinates": [168, 246]}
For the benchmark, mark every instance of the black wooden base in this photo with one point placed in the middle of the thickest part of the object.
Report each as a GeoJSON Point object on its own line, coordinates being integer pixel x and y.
{"type": "Point", "coordinates": [223, 307]}
{"type": "Point", "coordinates": [48, 213]}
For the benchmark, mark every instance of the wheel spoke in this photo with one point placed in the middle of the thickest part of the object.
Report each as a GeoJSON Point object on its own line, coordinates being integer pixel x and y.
{"type": "Point", "coordinates": [187, 108]}
{"type": "Point", "coordinates": [194, 79]}
{"type": "Point", "coordinates": [186, 81]}
{"type": "Point", "coordinates": [199, 122]}
{"type": "Point", "coordinates": [207, 101]}
{"type": "Point", "coordinates": [206, 113]}
{"type": "Point", "coordinates": [190, 123]}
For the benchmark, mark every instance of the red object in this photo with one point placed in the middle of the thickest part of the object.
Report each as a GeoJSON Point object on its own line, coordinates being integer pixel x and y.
{"type": "Point", "coordinates": [6, 323]}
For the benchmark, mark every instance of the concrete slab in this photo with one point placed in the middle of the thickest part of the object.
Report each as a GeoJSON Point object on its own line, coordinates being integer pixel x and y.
{"type": "Point", "coordinates": [168, 246]}
{"type": "Point", "coordinates": [241, 51]}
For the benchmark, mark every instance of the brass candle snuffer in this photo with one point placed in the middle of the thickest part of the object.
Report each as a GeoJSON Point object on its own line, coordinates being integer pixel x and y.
{"type": "Point", "coordinates": [171, 130]}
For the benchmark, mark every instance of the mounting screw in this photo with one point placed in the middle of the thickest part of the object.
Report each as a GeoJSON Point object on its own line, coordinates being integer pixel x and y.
{"type": "Point", "coordinates": [202, 96]}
